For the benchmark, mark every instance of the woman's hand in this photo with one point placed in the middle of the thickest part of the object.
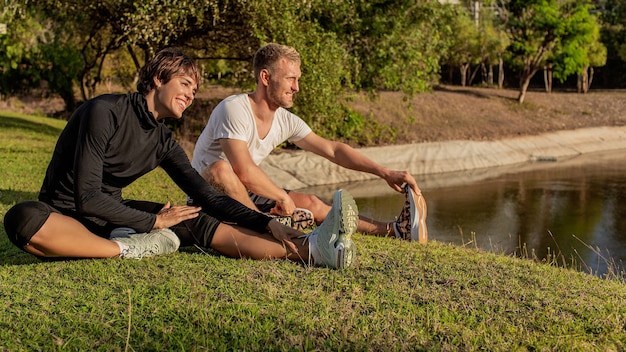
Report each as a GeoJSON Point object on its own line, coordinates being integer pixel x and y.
{"type": "Point", "coordinates": [170, 216]}
{"type": "Point", "coordinates": [284, 234]}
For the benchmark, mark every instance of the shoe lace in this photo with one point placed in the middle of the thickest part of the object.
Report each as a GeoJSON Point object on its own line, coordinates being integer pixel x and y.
{"type": "Point", "coordinates": [307, 239]}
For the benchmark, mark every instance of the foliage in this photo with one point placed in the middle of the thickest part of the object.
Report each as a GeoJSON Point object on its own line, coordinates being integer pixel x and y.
{"type": "Point", "coordinates": [346, 45]}
{"type": "Point", "coordinates": [284, 22]}
{"type": "Point", "coordinates": [393, 45]}
{"type": "Point", "coordinates": [465, 45]}
{"type": "Point", "coordinates": [34, 50]}
{"type": "Point", "coordinates": [579, 44]}
{"type": "Point", "coordinates": [540, 29]}
{"type": "Point", "coordinates": [614, 38]}
{"type": "Point", "coordinates": [104, 27]}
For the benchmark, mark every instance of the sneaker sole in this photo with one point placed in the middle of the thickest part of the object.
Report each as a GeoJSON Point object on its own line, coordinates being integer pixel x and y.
{"type": "Point", "coordinates": [349, 223]}
{"type": "Point", "coordinates": [349, 212]}
{"type": "Point", "coordinates": [345, 255]}
{"type": "Point", "coordinates": [419, 231]}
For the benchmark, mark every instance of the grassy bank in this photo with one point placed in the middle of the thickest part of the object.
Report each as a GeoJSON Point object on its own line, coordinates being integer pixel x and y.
{"type": "Point", "coordinates": [399, 296]}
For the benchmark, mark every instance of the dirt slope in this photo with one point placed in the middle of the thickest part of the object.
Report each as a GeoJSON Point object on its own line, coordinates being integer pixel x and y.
{"type": "Point", "coordinates": [455, 113]}
{"type": "Point", "coordinates": [449, 112]}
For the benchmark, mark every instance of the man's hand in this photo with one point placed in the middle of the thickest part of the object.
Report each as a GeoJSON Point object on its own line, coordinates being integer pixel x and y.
{"type": "Point", "coordinates": [284, 206]}
{"type": "Point", "coordinates": [284, 234]}
{"type": "Point", "coordinates": [170, 216]}
{"type": "Point", "coordinates": [397, 180]}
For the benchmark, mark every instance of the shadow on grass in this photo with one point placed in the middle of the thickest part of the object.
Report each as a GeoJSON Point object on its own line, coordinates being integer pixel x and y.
{"type": "Point", "coordinates": [472, 93]}
{"type": "Point", "coordinates": [9, 254]}
{"type": "Point", "coordinates": [10, 197]}
{"type": "Point", "coordinates": [14, 122]}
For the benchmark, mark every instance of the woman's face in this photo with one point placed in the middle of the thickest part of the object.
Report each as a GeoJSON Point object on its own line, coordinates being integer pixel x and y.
{"type": "Point", "coordinates": [173, 97]}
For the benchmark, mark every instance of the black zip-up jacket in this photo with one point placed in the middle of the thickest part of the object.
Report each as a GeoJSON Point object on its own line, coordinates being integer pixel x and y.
{"type": "Point", "coordinates": [109, 142]}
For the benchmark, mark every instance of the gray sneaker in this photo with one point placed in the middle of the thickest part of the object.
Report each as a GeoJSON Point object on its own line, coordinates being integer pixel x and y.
{"type": "Point", "coordinates": [330, 244]}
{"type": "Point", "coordinates": [141, 245]}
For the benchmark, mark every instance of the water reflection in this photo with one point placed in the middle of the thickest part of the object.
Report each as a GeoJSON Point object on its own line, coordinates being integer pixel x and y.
{"type": "Point", "coordinates": [571, 211]}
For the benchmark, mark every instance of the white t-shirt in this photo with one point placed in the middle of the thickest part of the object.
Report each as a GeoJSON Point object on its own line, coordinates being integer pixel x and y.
{"type": "Point", "coordinates": [233, 118]}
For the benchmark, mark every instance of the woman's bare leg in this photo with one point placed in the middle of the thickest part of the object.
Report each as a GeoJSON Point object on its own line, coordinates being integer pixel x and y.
{"type": "Point", "coordinates": [63, 236]}
{"type": "Point", "coordinates": [320, 209]}
{"type": "Point", "coordinates": [238, 242]}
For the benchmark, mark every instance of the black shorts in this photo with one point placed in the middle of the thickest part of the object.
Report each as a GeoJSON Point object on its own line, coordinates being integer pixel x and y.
{"type": "Point", "coordinates": [24, 219]}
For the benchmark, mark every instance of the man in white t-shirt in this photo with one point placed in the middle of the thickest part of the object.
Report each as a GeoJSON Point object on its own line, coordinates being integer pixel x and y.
{"type": "Point", "coordinates": [244, 129]}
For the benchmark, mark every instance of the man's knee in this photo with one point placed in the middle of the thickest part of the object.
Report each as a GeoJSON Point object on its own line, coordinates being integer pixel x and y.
{"type": "Point", "coordinates": [217, 173]}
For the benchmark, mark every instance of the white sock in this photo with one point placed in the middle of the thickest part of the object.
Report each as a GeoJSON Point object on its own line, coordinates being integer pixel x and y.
{"type": "Point", "coordinates": [123, 247]}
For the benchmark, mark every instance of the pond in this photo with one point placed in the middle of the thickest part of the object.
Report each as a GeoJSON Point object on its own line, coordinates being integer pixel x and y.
{"type": "Point", "coordinates": [570, 212]}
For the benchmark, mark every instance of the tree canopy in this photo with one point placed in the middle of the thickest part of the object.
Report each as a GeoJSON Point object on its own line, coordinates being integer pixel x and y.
{"type": "Point", "coordinates": [346, 45]}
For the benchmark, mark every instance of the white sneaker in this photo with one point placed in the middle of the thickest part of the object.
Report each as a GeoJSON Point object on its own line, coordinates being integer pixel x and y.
{"type": "Point", "coordinates": [141, 245]}
{"type": "Point", "coordinates": [330, 244]}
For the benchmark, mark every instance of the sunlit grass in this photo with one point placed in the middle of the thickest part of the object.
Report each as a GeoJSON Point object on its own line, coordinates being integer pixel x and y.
{"type": "Point", "coordinates": [399, 296]}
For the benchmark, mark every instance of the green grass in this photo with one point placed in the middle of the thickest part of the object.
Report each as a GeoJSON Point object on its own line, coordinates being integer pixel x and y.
{"type": "Point", "coordinates": [398, 296]}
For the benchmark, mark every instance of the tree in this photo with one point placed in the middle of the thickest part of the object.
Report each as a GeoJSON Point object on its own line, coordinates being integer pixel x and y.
{"type": "Point", "coordinates": [596, 57]}
{"type": "Point", "coordinates": [534, 27]}
{"type": "Point", "coordinates": [31, 53]}
{"type": "Point", "coordinates": [465, 47]}
{"type": "Point", "coordinates": [578, 46]}
{"type": "Point", "coordinates": [613, 36]}
{"type": "Point", "coordinates": [547, 32]}
{"type": "Point", "coordinates": [100, 28]}
{"type": "Point", "coordinates": [493, 44]}
{"type": "Point", "coordinates": [394, 45]}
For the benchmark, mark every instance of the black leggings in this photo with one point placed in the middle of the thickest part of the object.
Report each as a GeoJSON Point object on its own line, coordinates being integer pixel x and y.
{"type": "Point", "coordinates": [24, 219]}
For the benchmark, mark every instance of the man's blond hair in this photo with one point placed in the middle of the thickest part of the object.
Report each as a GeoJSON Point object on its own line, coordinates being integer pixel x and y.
{"type": "Point", "coordinates": [268, 55]}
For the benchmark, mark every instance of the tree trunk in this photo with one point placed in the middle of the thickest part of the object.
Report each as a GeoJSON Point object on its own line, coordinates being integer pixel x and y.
{"type": "Point", "coordinates": [483, 72]}
{"type": "Point", "coordinates": [133, 56]}
{"type": "Point", "coordinates": [524, 82]}
{"type": "Point", "coordinates": [490, 75]}
{"type": "Point", "coordinates": [582, 85]}
{"type": "Point", "coordinates": [463, 68]}
{"type": "Point", "coordinates": [500, 73]}
{"type": "Point", "coordinates": [590, 78]}
{"type": "Point", "coordinates": [547, 77]}
{"type": "Point", "coordinates": [473, 75]}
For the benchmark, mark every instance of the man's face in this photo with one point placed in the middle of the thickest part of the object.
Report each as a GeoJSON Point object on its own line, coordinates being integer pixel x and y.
{"type": "Point", "coordinates": [283, 83]}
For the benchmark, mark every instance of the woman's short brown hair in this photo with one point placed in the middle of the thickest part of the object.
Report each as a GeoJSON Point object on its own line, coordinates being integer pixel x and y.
{"type": "Point", "coordinates": [163, 66]}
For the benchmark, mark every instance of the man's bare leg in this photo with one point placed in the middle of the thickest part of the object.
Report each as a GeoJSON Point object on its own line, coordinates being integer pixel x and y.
{"type": "Point", "coordinates": [222, 177]}
{"type": "Point", "coordinates": [320, 209]}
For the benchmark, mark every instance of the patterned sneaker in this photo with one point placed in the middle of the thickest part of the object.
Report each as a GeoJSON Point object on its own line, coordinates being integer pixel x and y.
{"type": "Point", "coordinates": [301, 219]}
{"type": "Point", "coordinates": [411, 223]}
{"type": "Point", "coordinates": [141, 245]}
{"type": "Point", "coordinates": [330, 244]}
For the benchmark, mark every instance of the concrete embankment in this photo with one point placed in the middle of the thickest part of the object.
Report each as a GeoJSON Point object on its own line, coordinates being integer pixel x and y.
{"type": "Point", "coordinates": [434, 161]}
